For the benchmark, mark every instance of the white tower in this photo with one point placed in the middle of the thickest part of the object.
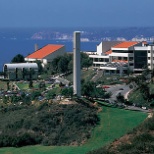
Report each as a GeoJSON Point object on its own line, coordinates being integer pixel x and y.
{"type": "Point", "coordinates": [76, 64]}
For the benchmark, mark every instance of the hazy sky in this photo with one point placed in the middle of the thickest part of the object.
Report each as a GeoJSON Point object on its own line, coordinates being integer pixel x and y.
{"type": "Point", "coordinates": [75, 13]}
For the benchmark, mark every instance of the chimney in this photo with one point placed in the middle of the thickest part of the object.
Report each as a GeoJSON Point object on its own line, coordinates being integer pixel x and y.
{"type": "Point", "coordinates": [36, 47]}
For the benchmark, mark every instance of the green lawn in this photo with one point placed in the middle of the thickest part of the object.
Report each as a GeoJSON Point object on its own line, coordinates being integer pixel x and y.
{"type": "Point", "coordinates": [85, 74]}
{"type": "Point", "coordinates": [25, 86]}
{"type": "Point", "coordinates": [114, 123]}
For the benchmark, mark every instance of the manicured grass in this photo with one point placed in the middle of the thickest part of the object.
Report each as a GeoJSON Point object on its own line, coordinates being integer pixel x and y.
{"type": "Point", "coordinates": [85, 74]}
{"type": "Point", "coordinates": [22, 86]}
{"type": "Point", "coordinates": [114, 123]}
{"type": "Point", "coordinates": [25, 86]}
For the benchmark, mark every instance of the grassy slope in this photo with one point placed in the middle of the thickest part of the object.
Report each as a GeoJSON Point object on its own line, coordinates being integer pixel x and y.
{"type": "Point", "coordinates": [3, 84]}
{"type": "Point", "coordinates": [85, 74]}
{"type": "Point", "coordinates": [114, 123]}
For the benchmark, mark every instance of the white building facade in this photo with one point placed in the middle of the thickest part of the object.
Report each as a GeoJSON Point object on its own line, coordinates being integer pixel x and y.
{"type": "Point", "coordinates": [124, 57]}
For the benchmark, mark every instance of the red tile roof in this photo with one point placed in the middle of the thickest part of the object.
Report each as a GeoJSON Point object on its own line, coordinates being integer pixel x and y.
{"type": "Point", "coordinates": [108, 52]}
{"type": "Point", "coordinates": [125, 44]}
{"type": "Point", "coordinates": [120, 61]}
{"type": "Point", "coordinates": [44, 51]}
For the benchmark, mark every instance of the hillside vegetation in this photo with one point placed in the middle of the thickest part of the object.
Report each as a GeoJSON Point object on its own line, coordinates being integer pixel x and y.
{"type": "Point", "coordinates": [46, 124]}
{"type": "Point", "coordinates": [113, 124]}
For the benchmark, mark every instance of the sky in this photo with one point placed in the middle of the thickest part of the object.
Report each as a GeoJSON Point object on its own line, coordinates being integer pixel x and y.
{"type": "Point", "coordinates": [76, 13]}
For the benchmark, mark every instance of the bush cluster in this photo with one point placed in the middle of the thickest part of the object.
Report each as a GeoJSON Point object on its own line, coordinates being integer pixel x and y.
{"type": "Point", "coordinates": [47, 124]}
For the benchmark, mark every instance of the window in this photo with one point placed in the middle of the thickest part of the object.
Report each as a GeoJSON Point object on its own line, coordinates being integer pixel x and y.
{"type": "Point", "coordinates": [106, 60]}
{"type": "Point", "coordinates": [125, 58]}
{"type": "Point", "coordinates": [131, 58]}
{"type": "Point", "coordinates": [140, 59]}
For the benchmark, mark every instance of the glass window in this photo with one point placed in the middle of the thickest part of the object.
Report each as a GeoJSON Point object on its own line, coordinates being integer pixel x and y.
{"type": "Point", "coordinates": [140, 59]}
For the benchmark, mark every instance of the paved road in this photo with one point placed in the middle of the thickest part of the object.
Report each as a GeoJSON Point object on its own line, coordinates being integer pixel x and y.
{"type": "Point", "coordinates": [116, 89]}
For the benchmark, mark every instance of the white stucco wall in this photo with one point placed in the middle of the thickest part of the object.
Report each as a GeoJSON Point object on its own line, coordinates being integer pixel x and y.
{"type": "Point", "coordinates": [53, 55]}
{"type": "Point", "coordinates": [99, 49]}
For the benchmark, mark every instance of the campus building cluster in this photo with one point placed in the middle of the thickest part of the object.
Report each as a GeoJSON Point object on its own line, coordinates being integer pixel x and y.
{"type": "Point", "coordinates": [114, 57]}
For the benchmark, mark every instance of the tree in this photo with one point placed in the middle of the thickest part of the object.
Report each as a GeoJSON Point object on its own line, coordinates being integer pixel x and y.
{"type": "Point", "coordinates": [42, 85]}
{"type": "Point", "coordinates": [40, 68]}
{"type": "Point", "coordinates": [120, 98]}
{"type": "Point", "coordinates": [54, 65]}
{"type": "Point", "coordinates": [8, 85]}
{"type": "Point", "coordinates": [31, 83]}
{"type": "Point", "coordinates": [18, 59]}
{"type": "Point", "coordinates": [85, 60]}
{"type": "Point", "coordinates": [63, 65]}
{"type": "Point", "coordinates": [51, 94]}
{"type": "Point", "coordinates": [141, 82]}
{"type": "Point", "coordinates": [89, 89]}
{"type": "Point", "coordinates": [35, 94]}
{"type": "Point", "coordinates": [68, 92]}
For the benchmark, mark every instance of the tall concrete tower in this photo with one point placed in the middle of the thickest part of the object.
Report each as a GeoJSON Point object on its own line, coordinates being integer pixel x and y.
{"type": "Point", "coordinates": [76, 64]}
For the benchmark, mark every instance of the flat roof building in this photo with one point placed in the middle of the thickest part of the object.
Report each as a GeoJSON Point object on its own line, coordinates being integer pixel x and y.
{"type": "Point", "coordinates": [123, 56]}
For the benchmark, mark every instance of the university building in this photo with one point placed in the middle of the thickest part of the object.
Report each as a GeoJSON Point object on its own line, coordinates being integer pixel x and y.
{"type": "Point", "coordinates": [114, 57]}
{"type": "Point", "coordinates": [46, 54]}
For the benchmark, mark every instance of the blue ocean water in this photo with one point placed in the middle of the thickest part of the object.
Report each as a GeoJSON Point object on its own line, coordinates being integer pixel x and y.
{"type": "Point", "coordinates": [11, 47]}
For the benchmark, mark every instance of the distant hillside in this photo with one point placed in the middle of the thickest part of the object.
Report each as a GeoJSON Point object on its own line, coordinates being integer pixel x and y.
{"type": "Point", "coordinates": [87, 34]}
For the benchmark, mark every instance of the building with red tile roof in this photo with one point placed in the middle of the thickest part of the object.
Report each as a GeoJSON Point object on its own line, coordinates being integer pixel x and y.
{"type": "Point", "coordinates": [46, 54]}
{"type": "Point", "coordinates": [127, 44]}
{"type": "Point", "coordinates": [126, 55]}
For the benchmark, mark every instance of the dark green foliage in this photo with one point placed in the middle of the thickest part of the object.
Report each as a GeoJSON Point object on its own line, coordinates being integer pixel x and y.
{"type": "Point", "coordinates": [31, 83]}
{"type": "Point", "coordinates": [64, 64]}
{"type": "Point", "coordinates": [40, 68]}
{"type": "Point", "coordinates": [120, 98]}
{"type": "Point", "coordinates": [18, 59]}
{"type": "Point", "coordinates": [85, 60]}
{"type": "Point", "coordinates": [47, 124]}
{"type": "Point", "coordinates": [60, 64]}
{"type": "Point", "coordinates": [35, 94]}
{"type": "Point", "coordinates": [42, 85]}
{"type": "Point", "coordinates": [68, 92]}
{"type": "Point", "coordinates": [51, 94]}
{"type": "Point", "coordinates": [89, 89]}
